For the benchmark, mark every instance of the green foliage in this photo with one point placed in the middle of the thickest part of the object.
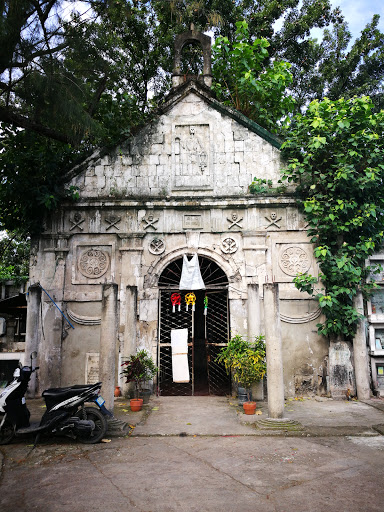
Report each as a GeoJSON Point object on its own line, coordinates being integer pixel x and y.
{"type": "Point", "coordinates": [31, 167]}
{"type": "Point", "coordinates": [244, 80]}
{"type": "Point", "coordinates": [138, 369]}
{"type": "Point", "coordinates": [260, 186]}
{"type": "Point", "coordinates": [14, 257]}
{"type": "Point", "coordinates": [76, 81]}
{"type": "Point", "coordinates": [338, 65]}
{"type": "Point", "coordinates": [244, 359]}
{"type": "Point", "coordinates": [335, 157]}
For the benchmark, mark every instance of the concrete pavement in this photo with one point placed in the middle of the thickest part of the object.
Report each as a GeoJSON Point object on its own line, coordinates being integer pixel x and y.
{"type": "Point", "coordinates": [202, 454]}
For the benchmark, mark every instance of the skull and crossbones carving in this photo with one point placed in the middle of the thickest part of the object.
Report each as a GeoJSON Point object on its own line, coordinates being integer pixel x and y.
{"type": "Point", "coordinates": [76, 222]}
{"type": "Point", "coordinates": [273, 220]}
{"type": "Point", "coordinates": [150, 221]}
{"type": "Point", "coordinates": [235, 221]}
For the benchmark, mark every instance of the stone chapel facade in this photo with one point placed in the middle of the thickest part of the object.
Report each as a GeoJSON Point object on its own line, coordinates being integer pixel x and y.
{"type": "Point", "coordinates": [112, 261]}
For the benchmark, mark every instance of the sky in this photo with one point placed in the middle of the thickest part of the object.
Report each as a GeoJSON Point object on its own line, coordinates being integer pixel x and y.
{"type": "Point", "coordinates": [359, 12]}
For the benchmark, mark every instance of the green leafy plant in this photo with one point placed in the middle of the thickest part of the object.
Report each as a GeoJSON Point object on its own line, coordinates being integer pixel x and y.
{"type": "Point", "coordinates": [335, 157]}
{"type": "Point", "coordinates": [260, 186]}
{"type": "Point", "coordinates": [244, 359]}
{"type": "Point", "coordinates": [245, 79]}
{"type": "Point", "coordinates": [138, 369]}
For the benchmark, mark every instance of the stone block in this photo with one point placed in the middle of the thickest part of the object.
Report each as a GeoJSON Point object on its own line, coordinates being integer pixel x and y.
{"type": "Point", "coordinates": [164, 159]}
{"type": "Point", "coordinates": [229, 146]}
{"type": "Point", "coordinates": [101, 182]}
{"type": "Point", "coordinates": [99, 170]}
{"type": "Point", "coordinates": [239, 145]}
{"type": "Point", "coordinates": [154, 159]}
{"type": "Point", "coordinates": [239, 156]}
{"type": "Point", "coordinates": [245, 179]}
{"type": "Point", "coordinates": [157, 138]}
{"type": "Point", "coordinates": [142, 184]}
{"type": "Point", "coordinates": [153, 181]}
{"type": "Point", "coordinates": [131, 182]}
{"type": "Point", "coordinates": [126, 160]}
{"type": "Point", "coordinates": [239, 132]}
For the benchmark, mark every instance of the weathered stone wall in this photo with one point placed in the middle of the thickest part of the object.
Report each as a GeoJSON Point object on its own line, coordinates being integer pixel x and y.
{"type": "Point", "coordinates": [192, 147]}
{"type": "Point", "coordinates": [178, 186]}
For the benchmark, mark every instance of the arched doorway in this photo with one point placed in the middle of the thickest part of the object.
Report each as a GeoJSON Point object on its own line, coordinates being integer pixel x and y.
{"type": "Point", "coordinates": [207, 333]}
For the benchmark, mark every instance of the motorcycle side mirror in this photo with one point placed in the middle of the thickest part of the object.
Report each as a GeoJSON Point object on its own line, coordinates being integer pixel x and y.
{"type": "Point", "coordinates": [34, 355]}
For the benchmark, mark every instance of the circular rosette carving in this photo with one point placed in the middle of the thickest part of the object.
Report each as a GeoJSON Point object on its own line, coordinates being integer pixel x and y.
{"type": "Point", "coordinates": [93, 263]}
{"type": "Point", "coordinates": [156, 246]}
{"type": "Point", "coordinates": [229, 246]}
{"type": "Point", "coordinates": [294, 260]}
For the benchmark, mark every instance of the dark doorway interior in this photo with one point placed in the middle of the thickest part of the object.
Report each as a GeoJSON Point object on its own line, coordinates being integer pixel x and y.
{"type": "Point", "coordinates": [200, 366]}
{"type": "Point", "coordinates": [206, 333]}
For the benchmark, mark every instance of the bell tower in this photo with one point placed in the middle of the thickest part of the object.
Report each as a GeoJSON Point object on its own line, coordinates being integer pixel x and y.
{"type": "Point", "coordinates": [192, 37]}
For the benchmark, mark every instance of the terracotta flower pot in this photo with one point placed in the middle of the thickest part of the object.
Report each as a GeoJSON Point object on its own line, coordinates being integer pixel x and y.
{"type": "Point", "coordinates": [136, 404]}
{"type": "Point", "coordinates": [117, 391]}
{"type": "Point", "coordinates": [249, 407]}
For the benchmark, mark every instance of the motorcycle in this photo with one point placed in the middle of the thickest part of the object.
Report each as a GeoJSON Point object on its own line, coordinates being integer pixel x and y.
{"type": "Point", "coordinates": [66, 413]}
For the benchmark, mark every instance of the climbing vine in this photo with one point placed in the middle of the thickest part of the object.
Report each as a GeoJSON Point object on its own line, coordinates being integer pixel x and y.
{"type": "Point", "coordinates": [335, 156]}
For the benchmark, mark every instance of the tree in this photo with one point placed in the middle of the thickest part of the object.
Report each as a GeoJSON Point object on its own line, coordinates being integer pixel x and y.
{"type": "Point", "coordinates": [72, 81]}
{"type": "Point", "coordinates": [14, 257]}
{"type": "Point", "coordinates": [336, 68]}
{"type": "Point", "coordinates": [335, 156]}
{"type": "Point", "coordinates": [245, 80]}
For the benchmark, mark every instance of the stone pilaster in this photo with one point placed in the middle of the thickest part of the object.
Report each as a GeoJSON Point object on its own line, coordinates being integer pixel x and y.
{"type": "Point", "coordinates": [254, 329]}
{"type": "Point", "coordinates": [108, 343]}
{"type": "Point", "coordinates": [360, 354]}
{"type": "Point", "coordinates": [32, 335]}
{"type": "Point", "coordinates": [130, 332]}
{"type": "Point", "coordinates": [275, 382]}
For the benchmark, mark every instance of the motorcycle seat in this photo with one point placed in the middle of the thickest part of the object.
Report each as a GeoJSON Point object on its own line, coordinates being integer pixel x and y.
{"type": "Point", "coordinates": [64, 393]}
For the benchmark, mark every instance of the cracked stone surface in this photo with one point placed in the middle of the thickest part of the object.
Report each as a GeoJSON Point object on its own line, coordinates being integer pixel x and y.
{"type": "Point", "coordinates": [202, 472]}
{"type": "Point", "coordinates": [169, 474]}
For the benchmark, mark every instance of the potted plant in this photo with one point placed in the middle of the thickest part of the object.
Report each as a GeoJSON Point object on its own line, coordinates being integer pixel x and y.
{"type": "Point", "coordinates": [138, 369]}
{"type": "Point", "coordinates": [246, 361]}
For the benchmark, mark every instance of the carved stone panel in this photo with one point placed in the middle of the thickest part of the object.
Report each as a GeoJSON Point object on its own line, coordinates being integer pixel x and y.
{"type": "Point", "coordinates": [194, 221]}
{"type": "Point", "coordinates": [192, 157]}
{"type": "Point", "coordinates": [92, 264]}
{"type": "Point", "coordinates": [156, 246]}
{"type": "Point", "coordinates": [229, 245]}
{"type": "Point", "coordinates": [288, 260]}
{"type": "Point", "coordinates": [92, 368]}
{"type": "Point", "coordinates": [294, 260]}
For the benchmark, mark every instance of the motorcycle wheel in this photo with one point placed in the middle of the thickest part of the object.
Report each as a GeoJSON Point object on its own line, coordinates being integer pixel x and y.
{"type": "Point", "coordinates": [98, 418]}
{"type": "Point", "coordinates": [7, 431]}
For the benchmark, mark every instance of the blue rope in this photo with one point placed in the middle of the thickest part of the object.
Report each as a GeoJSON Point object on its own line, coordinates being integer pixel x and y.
{"type": "Point", "coordinates": [45, 291]}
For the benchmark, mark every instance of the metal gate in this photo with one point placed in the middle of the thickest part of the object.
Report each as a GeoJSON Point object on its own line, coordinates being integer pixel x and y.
{"type": "Point", "coordinates": [207, 333]}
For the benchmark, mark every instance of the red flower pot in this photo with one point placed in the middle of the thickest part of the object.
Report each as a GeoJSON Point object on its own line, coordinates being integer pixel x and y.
{"type": "Point", "coordinates": [136, 404]}
{"type": "Point", "coordinates": [249, 407]}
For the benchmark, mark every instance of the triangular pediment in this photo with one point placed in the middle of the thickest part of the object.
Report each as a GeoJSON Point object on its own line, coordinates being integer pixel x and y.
{"type": "Point", "coordinates": [194, 145]}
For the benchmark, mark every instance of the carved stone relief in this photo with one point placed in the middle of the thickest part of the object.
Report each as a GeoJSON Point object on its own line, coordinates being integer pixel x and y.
{"type": "Point", "coordinates": [191, 156]}
{"type": "Point", "coordinates": [229, 246]}
{"type": "Point", "coordinates": [112, 221]}
{"type": "Point", "coordinates": [192, 221]}
{"type": "Point", "coordinates": [234, 221]}
{"type": "Point", "coordinates": [93, 263]}
{"type": "Point", "coordinates": [294, 260]}
{"type": "Point", "coordinates": [76, 222]}
{"type": "Point", "coordinates": [150, 222]}
{"type": "Point", "coordinates": [273, 220]}
{"type": "Point", "coordinates": [156, 246]}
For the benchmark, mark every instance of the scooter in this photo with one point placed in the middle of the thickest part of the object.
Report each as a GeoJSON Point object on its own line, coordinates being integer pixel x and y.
{"type": "Point", "coordinates": [65, 413]}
